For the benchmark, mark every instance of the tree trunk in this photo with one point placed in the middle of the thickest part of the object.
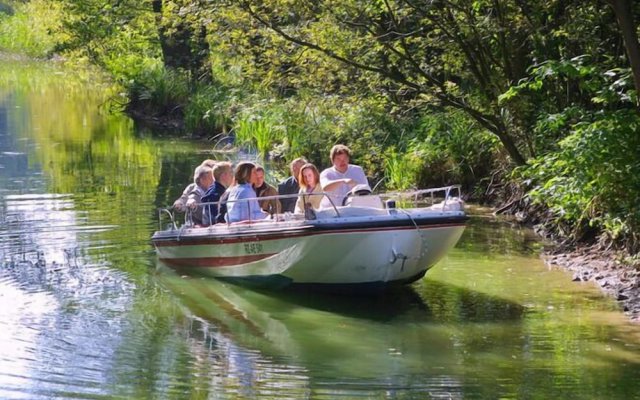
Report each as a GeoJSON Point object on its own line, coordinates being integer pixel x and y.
{"type": "Point", "coordinates": [185, 49]}
{"type": "Point", "coordinates": [624, 14]}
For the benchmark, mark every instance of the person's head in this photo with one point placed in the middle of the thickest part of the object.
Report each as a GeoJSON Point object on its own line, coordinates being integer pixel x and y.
{"type": "Point", "coordinates": [308, 176]}
{"type": "Point", "coordinates": [340, 156]}
{"type": "Point", "coordinates": [259, 181]}
{"type": "Point", "coordinates": [296, 165]}
{"type": "Point", "coordinates": [203, 176]}
{"type": "Point", "coordinates": [209, 163]}
{"type": "Point", "coordinates": [245, 172]}
{"type": "Point", "coordinates": [223, 173]}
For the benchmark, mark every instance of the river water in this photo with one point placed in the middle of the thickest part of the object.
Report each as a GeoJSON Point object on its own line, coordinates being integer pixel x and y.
{"type": "Point", "coordinates": [85, 314]}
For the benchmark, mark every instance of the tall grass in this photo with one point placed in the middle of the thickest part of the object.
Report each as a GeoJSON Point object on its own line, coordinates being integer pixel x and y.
{"type": "Point", "coordinates": [400, 170]}
{"type": "Point", "coordinates": [255, 131]}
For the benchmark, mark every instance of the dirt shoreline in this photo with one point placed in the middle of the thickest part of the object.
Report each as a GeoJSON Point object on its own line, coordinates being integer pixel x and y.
{"type": "Point", "coordinates": [618, 280]}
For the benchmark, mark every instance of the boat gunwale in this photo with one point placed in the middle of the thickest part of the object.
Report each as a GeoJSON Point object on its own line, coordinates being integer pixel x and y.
{"type": "Point", "coordinates": [207, 235]}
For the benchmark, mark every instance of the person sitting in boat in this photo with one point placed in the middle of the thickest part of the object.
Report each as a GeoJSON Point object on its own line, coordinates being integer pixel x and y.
{"type": "Point", "coordinates": [263, 189]}
{"type": "Point", "coordinates": [223, 176]}
{"type": "Point", "coordinates": [340, 177]}
{"type": "Point", "coordinates": [239, 209]}
{"type": "Point", "coordinates": [309, 179]}
{"type": "Point", "coordinates": [291, 185]}
{"type": "Point", "coordinates": [203, 178]}
{"type": "Point", "coordinates": [181, 202]}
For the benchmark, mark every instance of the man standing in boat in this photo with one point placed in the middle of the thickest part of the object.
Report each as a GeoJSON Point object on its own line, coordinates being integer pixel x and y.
{"type": "Point", "coordinates": [341, 177]}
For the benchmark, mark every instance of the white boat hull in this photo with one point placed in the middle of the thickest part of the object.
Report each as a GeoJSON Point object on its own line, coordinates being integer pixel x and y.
{"type": "Point", "coordinates": [347, 251]}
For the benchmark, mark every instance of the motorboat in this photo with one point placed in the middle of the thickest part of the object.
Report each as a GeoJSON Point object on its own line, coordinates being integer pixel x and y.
{"type": "Point", "coordinates": [369, 241]}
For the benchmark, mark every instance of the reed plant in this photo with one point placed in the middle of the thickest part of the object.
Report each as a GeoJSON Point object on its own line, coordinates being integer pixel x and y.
{"type": "Point", "coordinates": [255, 131]}
{"type": "Point", "coordinates": [400, 170]}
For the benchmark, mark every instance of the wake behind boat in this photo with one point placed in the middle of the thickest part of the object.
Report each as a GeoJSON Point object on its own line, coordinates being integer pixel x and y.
{"type": "Point", "coordinates": [367, 243]}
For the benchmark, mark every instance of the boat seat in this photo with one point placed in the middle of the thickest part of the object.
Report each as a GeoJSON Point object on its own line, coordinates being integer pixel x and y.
{"type": "Point", "coordinates": [373, 201]}
{"type": "Point", "coordinates": [452, 204]}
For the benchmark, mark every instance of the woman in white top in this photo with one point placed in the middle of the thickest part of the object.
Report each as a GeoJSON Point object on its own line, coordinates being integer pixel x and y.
{"type": "Point", "coordinates": [309, 180]}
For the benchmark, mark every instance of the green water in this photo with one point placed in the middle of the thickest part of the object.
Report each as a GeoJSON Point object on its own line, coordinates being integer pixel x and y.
{"type": "Point", "coordinates": [85, 314]}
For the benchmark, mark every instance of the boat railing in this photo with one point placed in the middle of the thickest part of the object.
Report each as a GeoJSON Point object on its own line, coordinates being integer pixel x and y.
{"type": "Point", "coordinates": [275, 217]}
{"type": "Point", "coordinates": [428, 197]}
{"type": "Point", "coordinates": [168, 212]}
{"type": "Point", "coordinates": [439, 198]}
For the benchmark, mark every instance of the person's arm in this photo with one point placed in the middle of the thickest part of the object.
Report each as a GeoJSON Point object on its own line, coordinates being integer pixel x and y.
{"type": "Point", "coordinates": [194, 200]}
{"type": "Point", "coordinates": [299, 208]}
{"type": "Point", "coordinates": [333, 185]}
{"type": "Point", "coordinates": [181, 201]}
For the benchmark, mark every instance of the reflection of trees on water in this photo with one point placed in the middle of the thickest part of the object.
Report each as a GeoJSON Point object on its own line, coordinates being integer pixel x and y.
{"type": "Point", "coordinates": [315, 344]}
{"type": "Point", "coordinates": [13, 161]}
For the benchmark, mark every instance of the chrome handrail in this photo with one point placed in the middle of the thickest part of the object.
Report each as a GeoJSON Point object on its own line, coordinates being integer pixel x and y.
{"type": "Point", "coordinates": [450, 192]}
{"type": "Point", "coordinates": [170, 214]}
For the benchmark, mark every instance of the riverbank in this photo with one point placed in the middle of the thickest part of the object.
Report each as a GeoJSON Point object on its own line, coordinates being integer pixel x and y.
{"type": "Point", "coordinates": [606, 269]}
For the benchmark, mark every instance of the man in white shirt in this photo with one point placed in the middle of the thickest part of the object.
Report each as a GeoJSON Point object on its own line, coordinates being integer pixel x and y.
{"type": "Point", "coordinates": [341, 177]}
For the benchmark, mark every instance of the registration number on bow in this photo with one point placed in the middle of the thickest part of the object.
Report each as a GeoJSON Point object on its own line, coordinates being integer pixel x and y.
{"type": "Point", "coordinates": [253, 248]}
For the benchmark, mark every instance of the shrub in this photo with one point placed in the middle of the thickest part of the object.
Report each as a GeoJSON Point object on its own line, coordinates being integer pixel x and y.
{"type": "Point", "coordinates": [592, 183]}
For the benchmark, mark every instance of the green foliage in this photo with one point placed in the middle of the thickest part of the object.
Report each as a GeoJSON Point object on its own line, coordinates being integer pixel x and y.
{"type": "Point", "coordinates": [593, 181]}
{"type": "Point", "coordinates": [159, 92]}
{"type": "Point", "coordinates": [400, 170]}
{"type": "Point", "coordinates": [255, 131]}
{"type": "Point", "coordinates": [119, 36]}
{"type": "Point", "coordinates": [27, 29]}
{"type": "Point", "coordinates": [207, 109]}
{"type": "Point", "coordinates": [588, 84]}
{"type": "Point", "coordinates": [452, 148]}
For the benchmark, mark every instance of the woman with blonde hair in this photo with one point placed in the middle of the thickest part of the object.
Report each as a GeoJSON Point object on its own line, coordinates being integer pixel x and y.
{"type": "Point", "coordinates": [310, 189]}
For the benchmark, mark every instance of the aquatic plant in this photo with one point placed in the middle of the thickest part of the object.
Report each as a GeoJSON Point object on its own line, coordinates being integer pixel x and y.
{"type": "Point", "coordinates": [255, 131]}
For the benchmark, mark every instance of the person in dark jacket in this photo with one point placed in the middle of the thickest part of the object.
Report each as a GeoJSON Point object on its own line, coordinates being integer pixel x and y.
{"type": "Point", "coordinates": [223, 174]}
{"type": "Point", "coordinates": [291, 186]}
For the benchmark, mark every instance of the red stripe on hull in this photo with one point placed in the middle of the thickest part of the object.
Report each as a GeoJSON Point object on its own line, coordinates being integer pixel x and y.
{"type": "Point", "coordinates": [259, 237]}
{"type": "Point", "coordinates": [213, 262]}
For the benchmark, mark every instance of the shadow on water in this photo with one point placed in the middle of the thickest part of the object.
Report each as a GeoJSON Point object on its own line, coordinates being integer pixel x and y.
{"type": "Point", "coordinates": [238, 310]}
{"type": "Point", "coordinates": [429, 301]}
{"type": "Point", "coordinates": [436, 302]}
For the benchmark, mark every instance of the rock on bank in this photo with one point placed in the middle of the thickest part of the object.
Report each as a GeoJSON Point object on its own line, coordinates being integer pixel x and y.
{"type": "Point", "coordinates": [602, 267]}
